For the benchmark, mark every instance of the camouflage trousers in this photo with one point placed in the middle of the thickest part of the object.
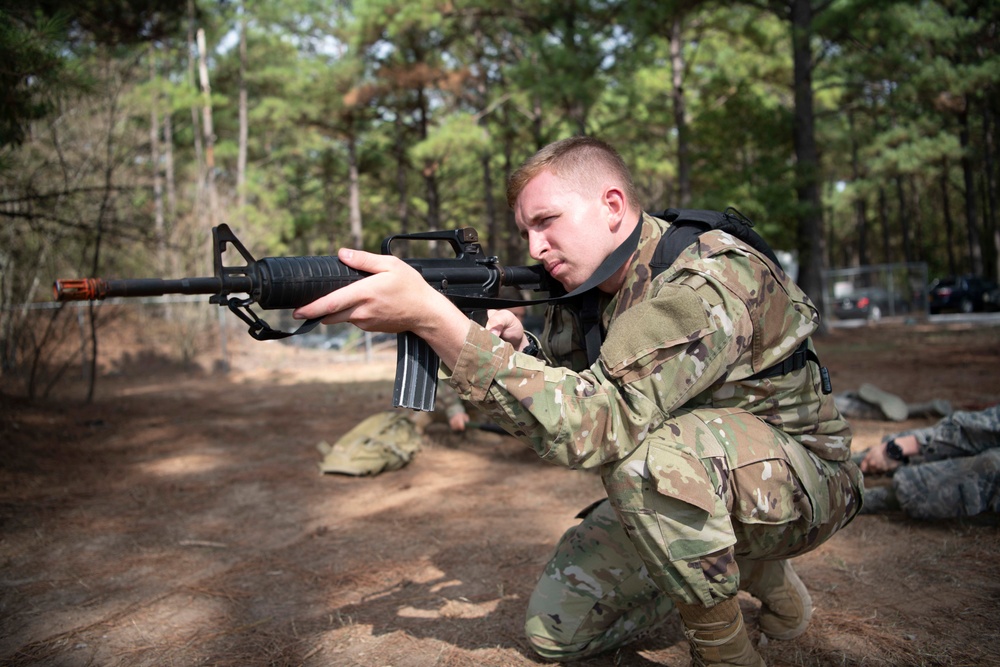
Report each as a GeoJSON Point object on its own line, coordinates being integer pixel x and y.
{"type": "Point", "coordinates": [961, 473]}
{"type": "Point", "coordinates": [709, 489]}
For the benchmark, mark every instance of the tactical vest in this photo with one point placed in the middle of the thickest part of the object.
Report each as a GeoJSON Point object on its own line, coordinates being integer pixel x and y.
{"type": "Point", "coordinates": [686, 226]}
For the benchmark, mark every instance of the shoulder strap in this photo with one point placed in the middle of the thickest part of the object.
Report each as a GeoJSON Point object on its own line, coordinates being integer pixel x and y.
{"type": "Point", "coordinates": [687, 224]}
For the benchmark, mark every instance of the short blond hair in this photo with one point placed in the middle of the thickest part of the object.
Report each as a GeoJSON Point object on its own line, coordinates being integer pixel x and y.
{"type": "Point", "coordinates": [585, 161]}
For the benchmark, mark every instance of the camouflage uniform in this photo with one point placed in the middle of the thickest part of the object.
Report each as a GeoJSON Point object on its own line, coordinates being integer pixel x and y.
{"type": "Point", "coordinates": [702, 467]}
{"type": "Point", "coordinates": [958, 471]}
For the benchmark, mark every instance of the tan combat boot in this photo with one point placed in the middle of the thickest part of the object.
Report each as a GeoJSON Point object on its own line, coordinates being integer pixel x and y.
{"type": "Point", "coordinates": [786, 606]}
{"type": "Point", "coordinates": [717, 635]}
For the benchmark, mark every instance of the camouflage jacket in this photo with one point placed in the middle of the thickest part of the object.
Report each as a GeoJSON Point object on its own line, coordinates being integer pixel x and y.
{"type": "Point", "coordinates": [687, 338]}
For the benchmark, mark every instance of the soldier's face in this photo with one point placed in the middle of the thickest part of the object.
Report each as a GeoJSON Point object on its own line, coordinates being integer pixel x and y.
{"type": "Point", "coordinates": [568, 231]}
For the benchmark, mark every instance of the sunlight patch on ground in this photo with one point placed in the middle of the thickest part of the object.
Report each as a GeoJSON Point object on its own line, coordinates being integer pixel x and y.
{"type": "Point", "coordinates": [460, 608]}
{"type": "Point", "coordinates": [185, 464]}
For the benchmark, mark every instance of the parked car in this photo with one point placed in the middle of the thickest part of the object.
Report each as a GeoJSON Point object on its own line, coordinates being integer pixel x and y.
{"type": "Point", "coordinates": [963, 294]}
{"type": "Point", "coordinates": [991, 300]}
{"type": "Point", "coordinates": [870, 303]}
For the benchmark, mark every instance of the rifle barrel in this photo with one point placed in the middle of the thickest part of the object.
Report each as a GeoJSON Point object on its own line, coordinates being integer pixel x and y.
{"type": "Point", "coordinates": [88, 289]}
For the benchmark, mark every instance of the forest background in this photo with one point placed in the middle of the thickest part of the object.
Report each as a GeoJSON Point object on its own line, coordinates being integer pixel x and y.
{"type": "Point", "coordinates": [854, 132]}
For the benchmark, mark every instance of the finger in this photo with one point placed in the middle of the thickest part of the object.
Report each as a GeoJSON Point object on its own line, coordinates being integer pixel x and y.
{"type": "Point", "coordinates": [320, 308]}
{"type": "Point", "coordinates": [368, 262]}
{"type": "Point", "coordinates": [340, 305]}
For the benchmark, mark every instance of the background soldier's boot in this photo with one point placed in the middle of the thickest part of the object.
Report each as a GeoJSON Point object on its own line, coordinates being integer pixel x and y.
{"type": "Point", "coordinates": [717, 635]}
{"type": "Point", "coordinates": [893, 406]}
{"type": "Point", "coordinates": [786, 605]}
{"type": "Point", "coordinates": [880, 499]}
{"type": "Point", "coordinates": [935, 408]}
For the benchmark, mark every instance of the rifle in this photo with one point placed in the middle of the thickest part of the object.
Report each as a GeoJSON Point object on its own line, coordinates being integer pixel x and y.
{"type": "Point", "coordinates": [470, 279]}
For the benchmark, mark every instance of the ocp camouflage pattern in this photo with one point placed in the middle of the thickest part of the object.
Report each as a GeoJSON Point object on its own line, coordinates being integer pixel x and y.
{"type": "Point", "coordinates": [688, 338]}
{"type": "Point", "coordinates": [700, 463]}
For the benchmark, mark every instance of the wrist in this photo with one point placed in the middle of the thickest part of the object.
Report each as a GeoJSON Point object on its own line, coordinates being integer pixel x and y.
{"type": "Point", "coordinates": [530, 346]}
{"type": "Point", "coordinates": [894, 452]}
{"type": "Point", "coordinates": [909, 445]}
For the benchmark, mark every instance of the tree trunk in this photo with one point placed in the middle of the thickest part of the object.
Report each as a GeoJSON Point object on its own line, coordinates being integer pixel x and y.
{"type": "Point", "coordinates": [213, 199]}
{"type": "Point", "coordinates": [810, 229]}
{"type": "Point", "coordinates": [949, 224]}
{"type": "Point", "coordinates": [354, 195]}
{"type": "Point", "coordinates": [154, 159]}
{"type": "Point", "coordinates": [206, 116]}
{"type": "Point", "coordinates": [516, 252]}
{"type": "Point", "coordinates": [429, 171]}
{"type": "Point", "coordinates": [972, 228]}
{"type": "Point", "coordinates": [860, 205]}
{"type": "Point", "coordinates": [402, 203]}
{"type": "Point", "coordinates": [168, 167]}
{"type": "Point", "coordinates": [102, 214]}
{"type": "Point", "coordinates": [883, 214]}
{"type": "Point", "coordinates": [917, 221]}
{"type": "Point", "coordinates": [989, 170]}
{"type": "Point", "coordinates": [493, 231]}
{"type": "Point", "coordinates": [904, 219]}
{"type": "Point", "coordinates": [680, 113]}
{"type": "Point", "coordinates": [195, 121]}
{"type": "Point", "coordinates": [492, 224]}
{"type": "Point", "coordinates": [241, 160]}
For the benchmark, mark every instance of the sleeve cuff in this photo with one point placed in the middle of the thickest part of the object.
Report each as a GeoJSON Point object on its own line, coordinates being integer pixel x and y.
{"type": "Point", "coordinates": [481, 358]}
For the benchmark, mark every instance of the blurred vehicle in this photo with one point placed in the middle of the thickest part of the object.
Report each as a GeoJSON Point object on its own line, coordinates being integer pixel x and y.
{"type": "Point", "coordinates": [991, 300]}
{"type": "Point", "coordinates": [870, 303]}
{"type": "Point", "coordinates": [963, 294]}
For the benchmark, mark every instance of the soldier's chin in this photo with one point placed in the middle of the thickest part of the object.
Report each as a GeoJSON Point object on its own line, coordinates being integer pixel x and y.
{"type": "Point", "coordinates": [560, 274]}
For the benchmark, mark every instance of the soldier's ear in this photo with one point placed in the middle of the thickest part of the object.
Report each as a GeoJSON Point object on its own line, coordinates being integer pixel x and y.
{"type": "Point", "coordinates": [616, 206]}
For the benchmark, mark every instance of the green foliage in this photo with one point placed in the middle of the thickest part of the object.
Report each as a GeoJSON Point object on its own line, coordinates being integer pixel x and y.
{"type": "Point", "coordinates": [429, 97]}
{"type": "Point", "coordinates": [32, 65]}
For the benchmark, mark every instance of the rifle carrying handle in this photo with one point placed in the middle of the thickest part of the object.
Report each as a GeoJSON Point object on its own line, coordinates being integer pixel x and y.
{"type": "Point", "coordinates": [416, 373]}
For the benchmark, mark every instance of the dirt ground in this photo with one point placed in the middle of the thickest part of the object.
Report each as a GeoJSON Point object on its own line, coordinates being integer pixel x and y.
{"type": "Point", "coordinates": [181, 519]}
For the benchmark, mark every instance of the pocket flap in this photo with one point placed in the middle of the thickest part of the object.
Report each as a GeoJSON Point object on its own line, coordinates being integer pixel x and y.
{"type": "Point", "coordinates": [681, 475]}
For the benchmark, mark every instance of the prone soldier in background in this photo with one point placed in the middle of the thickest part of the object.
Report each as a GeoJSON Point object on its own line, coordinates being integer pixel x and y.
{"type": "Point", "coordinates": [945, 471]}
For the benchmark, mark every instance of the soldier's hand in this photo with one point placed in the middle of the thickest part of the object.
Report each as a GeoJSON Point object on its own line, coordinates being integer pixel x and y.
{"type": "Point", "coordinates": [394, 298]}
{"type": "Point", "coordinates": [507, 326]}
{"type": "Point", "coordinates": [876, 461]}
{"type": "Point", "coordinates": [458, 421]}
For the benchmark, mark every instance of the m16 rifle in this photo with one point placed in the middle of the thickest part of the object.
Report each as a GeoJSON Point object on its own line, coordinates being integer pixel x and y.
{"type": "Point", "coordinates": [470, 279]}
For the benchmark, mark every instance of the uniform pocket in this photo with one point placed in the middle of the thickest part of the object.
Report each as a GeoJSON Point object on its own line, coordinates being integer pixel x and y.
{"type": "Point", "coordinates": [764, 489]}
{"type": "Point", "coordinates": [768, 492]}
{"type": "Point", "coordinates": [681, 475]}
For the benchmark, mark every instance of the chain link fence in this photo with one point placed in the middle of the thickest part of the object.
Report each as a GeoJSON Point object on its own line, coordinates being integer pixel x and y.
{"type": "Point", "coordinates": [876, 292]}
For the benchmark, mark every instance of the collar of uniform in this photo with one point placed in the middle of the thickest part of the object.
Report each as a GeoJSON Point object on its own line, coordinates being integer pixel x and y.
{"type": "Point", "coordinates": [638, 276]}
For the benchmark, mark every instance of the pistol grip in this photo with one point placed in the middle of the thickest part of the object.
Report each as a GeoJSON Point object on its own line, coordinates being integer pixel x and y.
{"type": "Point", "coordinates": [416, 373]}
